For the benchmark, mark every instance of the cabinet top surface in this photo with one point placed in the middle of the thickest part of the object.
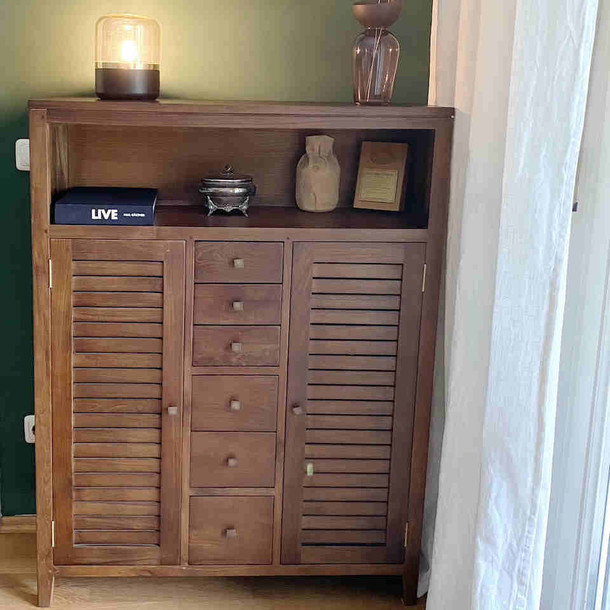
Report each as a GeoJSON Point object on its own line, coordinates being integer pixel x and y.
{"type": "Point", "coordinates": [194, 107]}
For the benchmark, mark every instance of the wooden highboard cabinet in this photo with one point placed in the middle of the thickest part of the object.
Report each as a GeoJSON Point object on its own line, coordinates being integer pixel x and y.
{"type": "Point", "coordinates": [230, 395]}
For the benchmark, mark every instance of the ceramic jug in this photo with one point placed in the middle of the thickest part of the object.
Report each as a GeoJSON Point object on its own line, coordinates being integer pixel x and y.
{"type": "Point", "coordinates": [318, 175]}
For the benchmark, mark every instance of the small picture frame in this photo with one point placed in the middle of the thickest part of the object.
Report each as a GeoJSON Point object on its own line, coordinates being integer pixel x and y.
{"type": "Point", "coordinates": [382, 176]}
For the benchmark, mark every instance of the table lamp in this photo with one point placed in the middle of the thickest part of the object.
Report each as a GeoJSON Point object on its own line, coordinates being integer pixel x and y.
{"type": "Point", "coordinates": [127, 56]}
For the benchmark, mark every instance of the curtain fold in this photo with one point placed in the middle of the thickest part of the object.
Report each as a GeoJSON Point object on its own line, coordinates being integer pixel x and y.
{"type": "Point", "coordinates": [517, 74]}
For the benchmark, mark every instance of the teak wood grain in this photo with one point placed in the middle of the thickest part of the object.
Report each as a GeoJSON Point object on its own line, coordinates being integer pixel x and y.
{"type": "Point", "coordinates": [231, 530]}
{"type": "Point", "coordinates": [236, 262]}
{"type": "Point", "coordinates": [171, 449]}
{"type": "Point", "coordinates": [236, 346]}
{"type": "Point", "coordinates": [146, 316]}
{"type": "Point", "coordinates": [231, 402]}
{"type": "Point", "coordinates": [41, 189]}
{"type": "Point", "coordinates": [61, 355]}
{"type": "Point", "coordinates": [439, 198]}
{"type": "Point", "coordinates": [238, 304]}
{"type": "Point", "coordinates": [312, 383]}
{"type": "Point", "coordinates": [232, 459]}
{"type": "Point", "coordinates": [188, 397]}
{"type": "Point", "coordinates": [113, 428]}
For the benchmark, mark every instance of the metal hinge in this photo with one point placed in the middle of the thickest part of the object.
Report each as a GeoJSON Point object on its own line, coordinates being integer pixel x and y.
{"type": "Point", "coordinates": [53, 534]}
{"type": "Point", "coordinates": [50, 273]}
{"type": "Point", "coordinates": [423, 282]}
{"type": "Point", "coordinates": [406, 534]}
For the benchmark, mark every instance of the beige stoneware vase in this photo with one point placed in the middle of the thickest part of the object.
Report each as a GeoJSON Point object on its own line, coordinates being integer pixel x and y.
{"type": "Point", "coordinates": [318, 176]}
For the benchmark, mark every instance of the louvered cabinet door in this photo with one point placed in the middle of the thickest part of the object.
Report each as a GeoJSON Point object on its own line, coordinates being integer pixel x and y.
{"type": "Point", "coordinates": [117, 317]}
{"type": "Point", "coordinates": [354, 340]}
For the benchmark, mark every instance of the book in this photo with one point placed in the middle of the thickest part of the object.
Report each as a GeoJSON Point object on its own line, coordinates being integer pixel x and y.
{"type": "Point", "coordinates": [93, 205]}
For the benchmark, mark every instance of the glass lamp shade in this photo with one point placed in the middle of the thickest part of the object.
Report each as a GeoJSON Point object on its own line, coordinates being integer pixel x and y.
{"type": "Point", "coordinates": [127, 57]}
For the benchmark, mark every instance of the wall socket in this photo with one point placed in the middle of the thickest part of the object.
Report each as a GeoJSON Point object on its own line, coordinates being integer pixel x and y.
{"type": "Point", "coordinates": [22, 155]}
{"type": "Point", "coordinates": [28, 429]}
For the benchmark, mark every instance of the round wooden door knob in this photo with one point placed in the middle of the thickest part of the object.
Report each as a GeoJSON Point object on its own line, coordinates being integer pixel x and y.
{"type": "Point", "coordinates": [238, 305]}
{"type": "Point", "coordinates": [235, 405]}
{"type": "Point", "coordinates": [232, 462]}
{"type": "Point", "coordinates": [172, 410]}
{"type": "Point", "coordinates": [231, 532]}
{"type": "Point", "coordinates": [239, 263]}
{"type": "Point", "coordinates": [298, 410]}
{"type": "Point", "coordinates": [236, 347]}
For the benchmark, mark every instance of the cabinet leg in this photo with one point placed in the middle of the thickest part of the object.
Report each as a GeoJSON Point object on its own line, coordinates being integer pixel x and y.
{"type": "Point", "coordinates": [46, 581]}
{"type": "Point", "coordinates": [409, 591]}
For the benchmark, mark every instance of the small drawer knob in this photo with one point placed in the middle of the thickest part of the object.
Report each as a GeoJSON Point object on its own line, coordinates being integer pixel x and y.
{"type": "Point", "coordinates": [172, 410]}
{"type": "Point", "coordinates": [231, 532]}
{"type": "Point", "coordinates": [298, 410]}
{"type": "Point", "coordinates": [238, 305]}
{"type": "Point", "coordinates": [232, 462]}
{"type": "Point", "coordinates": [236, 347]}
{"type": "Point", "coordinates": [235, 405]}
{"type": "Point", "coordinates": [239, 263]}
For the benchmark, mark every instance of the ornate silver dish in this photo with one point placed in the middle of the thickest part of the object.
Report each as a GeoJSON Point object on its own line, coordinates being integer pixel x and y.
{"type": "Point", "coordinates": [227, 191]}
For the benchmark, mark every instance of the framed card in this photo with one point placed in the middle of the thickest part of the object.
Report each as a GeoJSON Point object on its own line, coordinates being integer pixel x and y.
{"type": "Point", "coordinates": [382, 176]}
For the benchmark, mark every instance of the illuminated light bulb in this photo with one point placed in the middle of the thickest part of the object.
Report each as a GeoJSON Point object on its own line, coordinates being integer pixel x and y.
{"type": "Point", "coordinates": [129, 51]}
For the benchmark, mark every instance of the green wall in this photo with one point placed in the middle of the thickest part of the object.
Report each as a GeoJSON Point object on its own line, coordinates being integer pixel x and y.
{"type": "Point", "coordinates": [297, 50]}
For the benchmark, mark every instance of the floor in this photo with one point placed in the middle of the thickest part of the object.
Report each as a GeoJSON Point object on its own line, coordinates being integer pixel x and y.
{"type": "Point", "coordinates": [18, 589]}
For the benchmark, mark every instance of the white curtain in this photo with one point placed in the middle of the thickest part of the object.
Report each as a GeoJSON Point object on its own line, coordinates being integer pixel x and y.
{"type": "Point", "coordinates": [517, 73]}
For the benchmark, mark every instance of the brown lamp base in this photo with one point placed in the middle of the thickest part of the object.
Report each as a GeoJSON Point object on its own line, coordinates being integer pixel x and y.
{"type": "Point", "coordinates": [119, 84]}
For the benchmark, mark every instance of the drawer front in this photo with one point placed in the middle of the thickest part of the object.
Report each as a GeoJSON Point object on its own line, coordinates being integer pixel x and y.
{"type": "Point", "coordinates": [239, 262]}
{"type": "Point", "coordinates": [236, 346]}
{"type": "Point", "coordinates": [232, 459]}
{"type": "Point", "coordinates": [238, 303]}
{"type": "Point", "coordinates": [231, 530]}
{"type": "Point", "coordinates": [234, 402]}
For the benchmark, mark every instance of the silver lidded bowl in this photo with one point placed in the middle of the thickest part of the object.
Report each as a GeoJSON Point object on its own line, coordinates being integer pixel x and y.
{"type": "Point", "coordinates": [227, 191]}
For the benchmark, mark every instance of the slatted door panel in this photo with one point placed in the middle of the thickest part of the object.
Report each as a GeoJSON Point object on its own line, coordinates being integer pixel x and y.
{"type": "Point", "coordinates": [117, 330]}
{"type": "Point", "coordinates": [354, 340]}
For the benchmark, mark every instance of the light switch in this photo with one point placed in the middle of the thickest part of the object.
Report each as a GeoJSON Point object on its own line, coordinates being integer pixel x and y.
{"type": "Point", "coordinates": [22, 155]}
{"type": "Point", "coordinates": [28, 428]}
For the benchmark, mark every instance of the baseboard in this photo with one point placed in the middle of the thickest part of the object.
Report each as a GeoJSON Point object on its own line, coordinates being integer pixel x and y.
{"type": "Point", "coordinates": [23, 524]}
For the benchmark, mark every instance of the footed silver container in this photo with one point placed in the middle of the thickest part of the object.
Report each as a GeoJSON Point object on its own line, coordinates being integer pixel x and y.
{"type": "Point", "coordinates": [227, 191]}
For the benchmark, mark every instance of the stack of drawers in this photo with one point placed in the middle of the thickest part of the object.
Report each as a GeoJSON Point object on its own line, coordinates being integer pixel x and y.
{"type": "Point", "coordinates": [237, 318]}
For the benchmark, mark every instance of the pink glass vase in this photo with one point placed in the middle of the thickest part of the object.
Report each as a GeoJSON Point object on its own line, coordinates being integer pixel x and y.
{"type": "Point", "coordinates": [376, 52]}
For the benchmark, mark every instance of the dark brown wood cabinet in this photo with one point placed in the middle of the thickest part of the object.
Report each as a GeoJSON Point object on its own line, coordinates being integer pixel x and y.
{"type": "Point", "coordinates": [230, 395]}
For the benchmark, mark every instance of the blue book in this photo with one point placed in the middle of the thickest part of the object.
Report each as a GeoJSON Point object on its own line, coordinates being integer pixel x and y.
{"type": "Point", "coordinates": [93, 205]}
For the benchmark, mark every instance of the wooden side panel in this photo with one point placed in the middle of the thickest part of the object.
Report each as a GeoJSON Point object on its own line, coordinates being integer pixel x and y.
{"type": "Point", "coordinates": [351, 391]}
{"type": "Point", "coordinates": [41, 183]}
{"type": "Point", "coordinates": [117, 399]}
{"type": "Point", "coordinates": [438, 208]}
